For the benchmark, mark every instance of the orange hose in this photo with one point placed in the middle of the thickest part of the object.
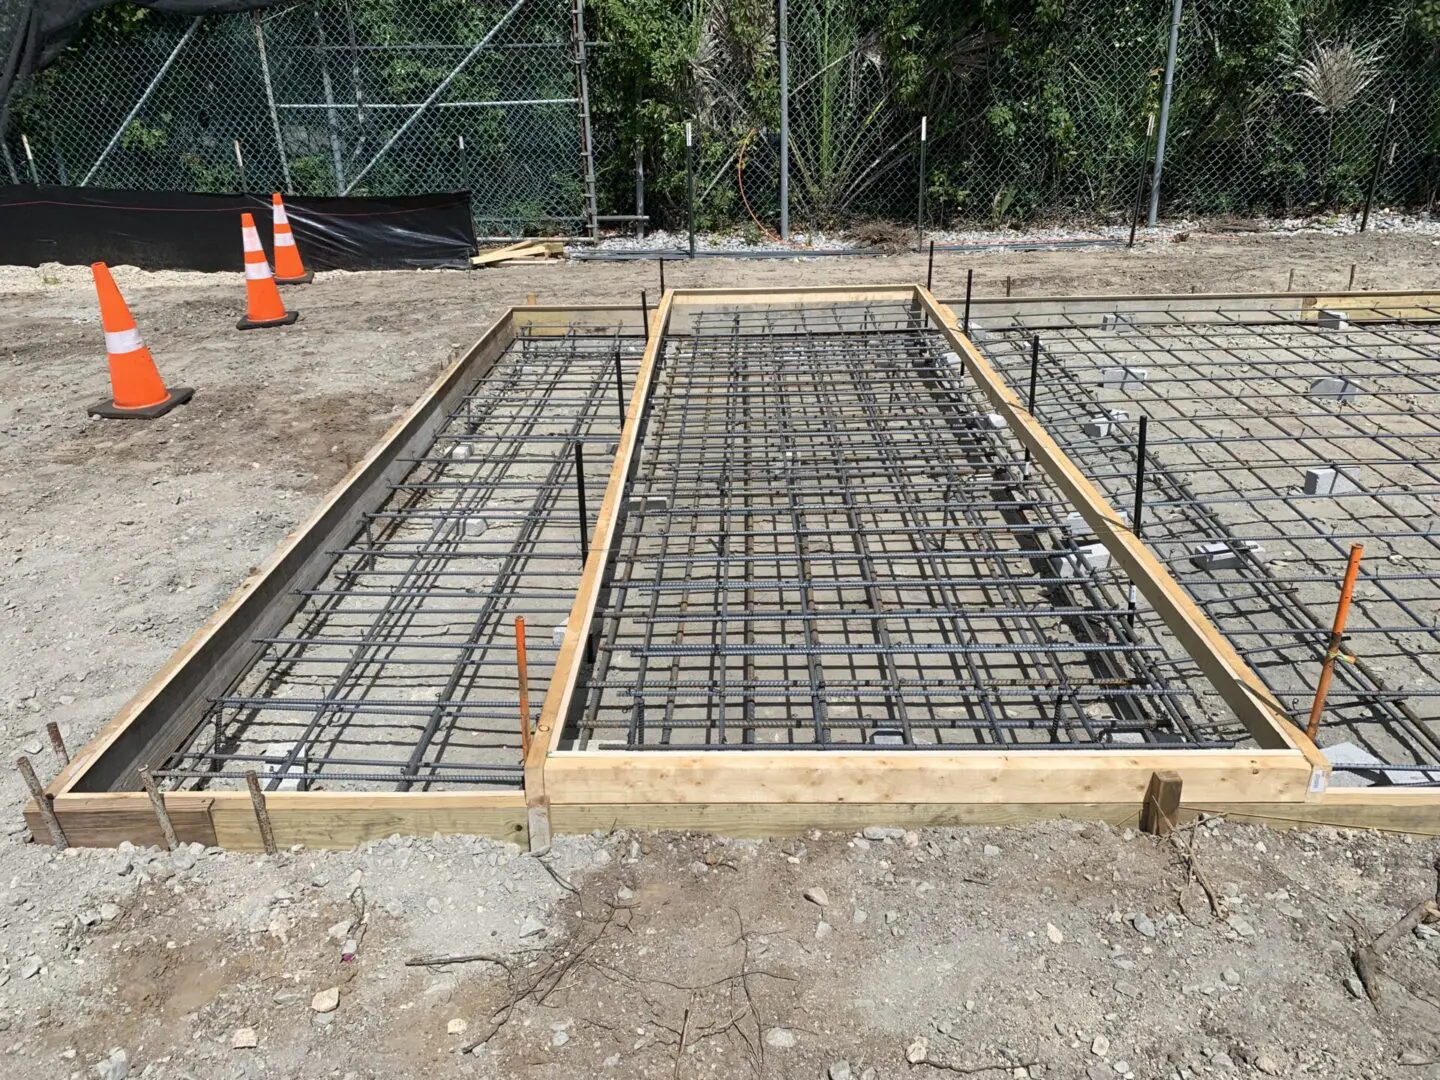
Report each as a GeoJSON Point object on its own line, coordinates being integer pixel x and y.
{"type": "Point", "coordinates": [1337, 634]}
{"type": "Point", "coordinates": [740, 183]}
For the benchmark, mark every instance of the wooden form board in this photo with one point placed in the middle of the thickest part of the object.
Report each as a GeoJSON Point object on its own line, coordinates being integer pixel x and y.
{"type": "Point", "coordinates": [1374, 307]}
{"type": "Point", "coordinates": [742, 794]}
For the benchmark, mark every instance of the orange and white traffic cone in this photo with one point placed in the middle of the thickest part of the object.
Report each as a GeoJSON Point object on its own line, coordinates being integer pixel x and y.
{"type": "Point", "coordinates": [289, 267]}
{"type": "Point", "coordinates": [138, 391]}
{"type": "Point", "coordinates": [264, 306]}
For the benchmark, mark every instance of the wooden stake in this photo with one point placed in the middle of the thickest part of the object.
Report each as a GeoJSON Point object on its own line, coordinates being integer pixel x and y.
{"type": "Point", "coordinates": [46, 801]}
{"type": "Point", "coordinates": [1161, 805]}
{"type": "Point", "coordinates": [523, 678]}
{"type": "Point", "coordinates": [1290, 285]}
{"type": "Point", "coordinates": [1337, 635]}
{"type": "Point", "coordinates": [57, 743]}
{"type": "Point", "coordinates": [262, 816]}
{"type": "Point", "coordinates": [157, 800]}
{"type": "Point", "coordinates": [1350, 285]}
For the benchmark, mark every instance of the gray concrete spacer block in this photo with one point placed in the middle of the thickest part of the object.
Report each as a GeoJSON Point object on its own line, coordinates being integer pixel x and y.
{"type": "Point", "coordinates": [1124, 377]}
{"type": "Point", "coordinates": [1120, 322]}
{"type": "Point", "coordinates": [1330, 480]}
{"type": "Point", "coordinates": [1077, 563]}
{"type": "Point", "coordinates": [1219, 555]}
{"type": "Point", "coordinates": [1334, 320]}
{"type": "Point", "coordinates": [1334, 386]}
{"type": "Point", "coordinates": [659, 503]}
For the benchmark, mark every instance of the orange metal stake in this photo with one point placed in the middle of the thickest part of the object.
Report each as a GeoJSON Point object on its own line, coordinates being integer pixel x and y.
{"type": "Point", "coordinates": [1337, 634]}
{"type": "Point", "coordinates": [524, 684]}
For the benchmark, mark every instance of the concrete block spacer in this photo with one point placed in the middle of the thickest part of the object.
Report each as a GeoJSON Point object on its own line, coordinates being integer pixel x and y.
{"type": "Point", "coordinates": [1330, 480]}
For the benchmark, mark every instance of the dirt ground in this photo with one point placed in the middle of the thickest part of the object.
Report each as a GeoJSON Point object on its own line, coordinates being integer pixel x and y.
{"type": "Point", "coordinates": [649, 956]}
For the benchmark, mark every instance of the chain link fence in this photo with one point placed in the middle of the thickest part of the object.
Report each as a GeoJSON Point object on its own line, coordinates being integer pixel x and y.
{"type": "Point", "coordinates": [385, 97]}
{"type": "Point", "coordinates": [1031, 117]}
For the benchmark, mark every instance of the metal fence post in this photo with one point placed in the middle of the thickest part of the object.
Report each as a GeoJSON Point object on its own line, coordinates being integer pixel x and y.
{"type": "Point", "coordinates": [587, 141]}
{"type": "Point", "coordinates": [690, 182]}
{"type": "Point", "coordinates": [1165, 112]}
{"type": "Point", "coordinates": [332, 118]}
{"type": "Point", "coordinates": [783, 37]}
{"type": "Point", "coordinates": [144, 97]}
{"type": "Point", "coordinates": [9, 161]}
{"type": "Point", "coordinates": [270, 101]}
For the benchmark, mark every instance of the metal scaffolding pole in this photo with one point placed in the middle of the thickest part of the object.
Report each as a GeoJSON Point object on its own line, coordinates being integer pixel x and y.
{"type": "Point", "coordinates": [270, 101]}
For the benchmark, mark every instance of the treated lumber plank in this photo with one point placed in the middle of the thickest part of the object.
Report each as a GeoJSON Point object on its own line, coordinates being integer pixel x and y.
{"type": "Point", "coordinates": [762, 819]}
{"type": "Point", "coordinates": [166, 708]}
{"type": "Point", "coordinates": [105, 820]}
{"type": "Point", "coordinates": [1398, 810]}
{"type": "Point", "coordinates": [567, 664]}
{"type": "Point", "coordinates": [1370, 307]}
{"type": "Point", "coordinates": [870, 777]}
{"type": "Point", "coordinates": [1242, 690]}
{"type": "Point", "coordinates": [342, 820]}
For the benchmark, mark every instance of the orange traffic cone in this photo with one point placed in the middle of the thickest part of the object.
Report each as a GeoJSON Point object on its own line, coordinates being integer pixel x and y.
{"type": "Point", "coordinates": [138, 390]}
{"type": "Point", "coordinates": [289, 268]}
{"type": "Point", "coordinates": [264, 307]}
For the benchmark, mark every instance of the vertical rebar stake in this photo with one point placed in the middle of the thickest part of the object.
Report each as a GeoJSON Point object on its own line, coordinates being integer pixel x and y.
{"type": "Point", "coordinates": [46, 803]}
{"type": "Point", "coordinates": [157, 800]}
{"type": "Point", "coordinates": [580, 498]}
{"type": "Point", "coordinates": [662, 275]}
{"type": "Point", "coordinates": [1379, 164]}
{"type": "Point", "coordinates": [262, 815]}
{"type": "Point", "coordinates": [1034, 375]}
{"type": "Point", "coordinates": [969, 285]}
{"type": "Point", "coordinates": [1137, 525]}
{"type": "Point", "coordinates": [930, 269]}
{"type": "Point", "coordinates": [920, 201]}
{"type": "Point", "coordinates": [1140, 184]}
{"type": "Point", "coordinates": [522, 676]}
{"type": "Point", "coordinates": [690, 183]}
{"type": "Point", "coordinates": [619, 387]}
{"type": "Point", "coordinates": [1337, 636]}
{"type": "Point", "coordinates": [57, 742]}
{"type": "Point", "coordinates": [645, 314]}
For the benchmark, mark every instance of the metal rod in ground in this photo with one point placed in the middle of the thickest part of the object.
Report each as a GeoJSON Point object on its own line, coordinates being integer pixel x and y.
{"type": "Point", "coordinates": [157, 800]}
{"type": "Point", "coordinates": [1379, 165]}
{"type": "Point", "coordinates": [690, 183]}
{"type": "Point", "coordinates": [44, 800]}
{"type": "Point", "coordinates": [1034, 375]}
{"type": "Point", "coordinates": [1140, 183]}
{"type": "Point", "coordinates": [1137, 521]}
{"type": "Point", "coordinates": [240, 163]}
{"type": "Point", "coordinates": [580, 499]}
{"type": "Point", "coordinates": [1350, 285]}
{"type": "Point", "coordinates": [1337, 637]}
{"type": "Point", "coordinates": [920, 202]}
{"type": "Point", "coordinates": [1165, 111]}
{"type": "Point", "coordinates": [662, 275]}
{"type": "Point", "coordinates": [645, 314]}
{"type": "Point", "coordinates": [930, 269]}
{"type": "Point", "coordinates": [969, 285]}
{"type": "Point", "coordinates": [782, 37]}
{"type": "Point", "coordinates": [522, 678]}
{"type": "Point", "coordinates": [262, 815]}
{"type": "Point", "coordinates": [57, 742]}
{"type": "Point", "coordinates": [619, 388]}
{"type": "Point", "coordinates": [30, 159]}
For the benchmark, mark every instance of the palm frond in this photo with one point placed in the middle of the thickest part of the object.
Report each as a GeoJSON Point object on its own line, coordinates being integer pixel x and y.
{"type": "Point", "coordinates": [1334, 76]}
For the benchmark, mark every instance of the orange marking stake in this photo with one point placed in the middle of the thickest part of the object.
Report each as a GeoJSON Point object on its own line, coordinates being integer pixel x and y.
{"type": "Point", "coordinates": [1337, 635]}
{"type": "Point", "coordinates": [289, 267]}
{"type": "Point", "coordinates": [524, 679]}
{"type": "Point", "coordinates": [138, 391]}
{"type": "Point", "coordinates": [265, 308]}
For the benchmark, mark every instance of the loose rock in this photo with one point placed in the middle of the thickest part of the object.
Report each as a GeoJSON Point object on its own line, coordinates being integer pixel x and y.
{"type": "Point", "coordinates": [244, 1039]}
{"type": "Point", "coordinates": [780, 1038]}
{"type": "Point", "coordinates": [327, 1000]}
{"type": "Point", "coordinates": [817, 895]}
{"type": "Point", "coordinates": [1100, 1046]}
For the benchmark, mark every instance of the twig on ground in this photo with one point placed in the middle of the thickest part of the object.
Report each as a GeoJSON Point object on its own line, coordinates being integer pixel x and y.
{"type": "Point", "coordinates": [970, 1070]}
{"type": "Point", "coordinates": [1188, 853]}
{"type": "Point", "coordinates": [466, 958]}
{"type": "Point", "coordinates": [1366, 958]}
{"type": "Point", "coordinates": [558, 879]}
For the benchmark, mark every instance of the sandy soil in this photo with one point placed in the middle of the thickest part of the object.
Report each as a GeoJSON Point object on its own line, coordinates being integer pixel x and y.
{"type": "Point", "coordinates": [118, 539]}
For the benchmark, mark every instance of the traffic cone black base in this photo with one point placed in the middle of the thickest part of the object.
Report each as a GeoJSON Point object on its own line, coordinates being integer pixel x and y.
{"type": "Point", "coordinates": [259, 324]}
{"type": "Point", "coordinates": [179, 395]}
{"type": "Point", "coordinates": [304, 279]}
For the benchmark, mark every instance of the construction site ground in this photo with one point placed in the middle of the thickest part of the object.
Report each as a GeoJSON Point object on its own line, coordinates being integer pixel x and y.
{"type": "Point", "coordinates": [1060, 949]}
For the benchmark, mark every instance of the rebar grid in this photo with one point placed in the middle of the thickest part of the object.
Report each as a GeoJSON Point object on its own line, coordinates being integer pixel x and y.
{"type": "Point", "coordinates": [1239, 414]}
{"type": "Point", "coordinates": [400, 668]}
{"type": "Point", "coordinates": [826, 543]}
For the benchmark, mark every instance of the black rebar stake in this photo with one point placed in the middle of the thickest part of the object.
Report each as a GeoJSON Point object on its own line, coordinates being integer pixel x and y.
{"type": "Point", "coordinates": [1136, 525]}
{"type": "Point", "coordinates": [662, 276]}
{"type": "Point", "coordinates": [619, 388]}
{"type": "Point", "coordinates": [1140, 184]}
{"type": "Point", "coordinates": [580, 498]}
{"type": "Point", "coordinates": [930, 269]}
{"type": "Point", "coordinates": [645, 314]}
{"type": "Point", "coordinates": [969, 284]}
{"type": "Point", "coordinates": [1379, 164]}
{"type": "Point", "coordinates": [1034, 374]}
{"type": "Point", "coordinates": [690, 188]}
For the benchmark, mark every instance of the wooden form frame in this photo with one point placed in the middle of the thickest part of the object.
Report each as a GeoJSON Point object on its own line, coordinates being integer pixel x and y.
{"type": "Point", "coordinates": [1283, 781]}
